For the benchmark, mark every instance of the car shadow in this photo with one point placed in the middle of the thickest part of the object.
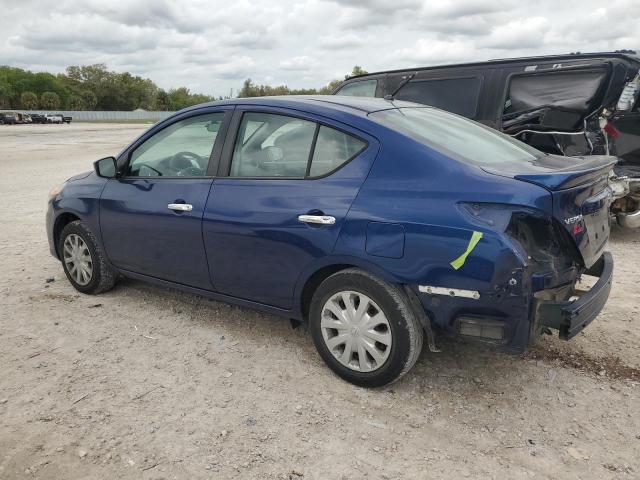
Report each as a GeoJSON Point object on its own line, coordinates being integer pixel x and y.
{"type": "Point", "coordinates": [456, 360]}
{"type": "Point", "coordinates": [468, 366]}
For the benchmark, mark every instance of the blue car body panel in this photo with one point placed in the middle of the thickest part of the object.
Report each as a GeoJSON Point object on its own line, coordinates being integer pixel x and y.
{"type": "Point", "coordinates": [404, 211]}
{"type": "Point", "coordinates": [81, 198]}
{"type": "Point", "coordinates": [255, 244]}
{"type": "Point", "coordinates": [141, 235]}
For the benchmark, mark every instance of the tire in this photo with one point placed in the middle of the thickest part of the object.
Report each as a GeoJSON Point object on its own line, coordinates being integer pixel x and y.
{"type": "Point", "coordinates": [402, 329]}
{"type": "Point", "coordinates": [76, 244]}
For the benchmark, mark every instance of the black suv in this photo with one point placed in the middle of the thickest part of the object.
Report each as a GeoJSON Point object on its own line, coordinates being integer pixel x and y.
{"type": "Point", "coordinates": [8, 118]}
{"type": "Point", "coordinates": [576, 104]}
{"type": "Point", "coordinates": [38, 118]}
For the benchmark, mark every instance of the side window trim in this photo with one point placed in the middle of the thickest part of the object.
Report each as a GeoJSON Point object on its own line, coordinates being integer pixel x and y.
{"type": "Point", "coordinates": [218, 145]}
{"type": "Point", "coordinates": [224, 167]}
{"type": "Point", "coordinates": [214, 157]}
{"type": "Point", "coordinates": [312, 151]}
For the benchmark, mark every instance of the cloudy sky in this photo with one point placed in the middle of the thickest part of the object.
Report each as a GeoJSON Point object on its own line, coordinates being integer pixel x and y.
{"type": "Point", "coordinates": [210, 46]}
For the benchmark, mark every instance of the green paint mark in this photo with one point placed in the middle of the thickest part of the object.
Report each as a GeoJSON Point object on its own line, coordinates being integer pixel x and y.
{"type": "Point", "coordinates": [459, 262]}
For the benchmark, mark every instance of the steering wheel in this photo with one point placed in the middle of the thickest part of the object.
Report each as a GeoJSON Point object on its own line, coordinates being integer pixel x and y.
{"type": "Point", "coordinates": [141, 171]}
{"type": "Point", "coordinates": [186, 164]}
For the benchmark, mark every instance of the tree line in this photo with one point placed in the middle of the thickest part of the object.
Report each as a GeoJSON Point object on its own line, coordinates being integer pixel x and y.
{"type": "Point", "coordinates": [94, 87]}
{"type": "Point", "coordinates": [250, 89]}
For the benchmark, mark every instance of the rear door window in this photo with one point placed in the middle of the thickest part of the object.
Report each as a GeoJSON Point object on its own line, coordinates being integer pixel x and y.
{"type": "Point", "coordinates": [271, 145]}
{"type": "Point", "coordinates": [362, 88]}
{"type": "Point", "coordinates": [456, 95]}
{"type": "Point", "coordinates": [333, 149]}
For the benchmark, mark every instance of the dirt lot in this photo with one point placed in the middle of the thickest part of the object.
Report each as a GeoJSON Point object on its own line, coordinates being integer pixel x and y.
{"type": "Point", "coordinates": [144, 382]}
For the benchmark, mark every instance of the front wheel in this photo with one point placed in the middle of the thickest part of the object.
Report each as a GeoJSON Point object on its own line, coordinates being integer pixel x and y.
{"type": "Point", "coordinates": [83, 260]}
{"type": "Point", "coordinates": [364, 328]}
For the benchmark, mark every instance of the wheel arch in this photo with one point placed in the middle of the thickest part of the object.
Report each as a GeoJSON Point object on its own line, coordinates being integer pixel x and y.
{"type": "Point", "coordinates": [62, 220]}
{"type": "Point", "coordinates": [314, 275]}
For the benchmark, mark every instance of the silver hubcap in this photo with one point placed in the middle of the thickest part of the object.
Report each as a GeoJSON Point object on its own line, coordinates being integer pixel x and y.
{"type": "Point", "coordinates": [77, 258]}
{"type": "Point", "coordinates": [356, 331]}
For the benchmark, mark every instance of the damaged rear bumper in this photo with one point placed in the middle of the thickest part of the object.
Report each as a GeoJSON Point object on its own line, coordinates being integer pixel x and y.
{"type": "Point", "coordinates": [571, 317]}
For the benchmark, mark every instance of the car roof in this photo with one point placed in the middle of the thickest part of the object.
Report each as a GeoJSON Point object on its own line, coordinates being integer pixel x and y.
{"type": "Point", "coordinates": [625, 54]}
{"type": "Point", "coordinates": [317, 103]}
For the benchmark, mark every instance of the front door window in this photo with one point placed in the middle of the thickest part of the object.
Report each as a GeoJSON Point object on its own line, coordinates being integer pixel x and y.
{"type": "Point", "coordinates": [180, 150]}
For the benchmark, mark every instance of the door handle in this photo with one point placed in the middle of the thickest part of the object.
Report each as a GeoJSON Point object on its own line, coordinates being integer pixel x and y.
{"type": "Point", "coordinates": [180, 207]}
{"type": "Point", "coordinates": [317, 219]}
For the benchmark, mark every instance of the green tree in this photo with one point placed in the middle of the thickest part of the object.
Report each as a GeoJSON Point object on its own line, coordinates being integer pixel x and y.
{"type": "Point", "coordinates": [75, 103]}
{"type": "Point", "coordinates": [29, 100]}
{"type": "Point", "coordinates": [180, 98]}
{"type": "Point", "coordinates": [6, 91]}
{"type": "Point", "coordinates": [162, 102]}
{"type": "Point", "coordinates": [329, 87]}
{"type": "Point", "coordinates": [50, 101]}
{"type": "Point", "coordinates": [250, 89]}
{"type": "Point", "coordinates": [88, 75]}
{"type": "Point", "coordinates": [357, 70]}
{"type": "Point", "coordinates": [90, 100]}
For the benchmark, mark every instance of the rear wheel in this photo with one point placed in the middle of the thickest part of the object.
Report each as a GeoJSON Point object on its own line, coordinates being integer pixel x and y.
{"type": "Point", "coordinates": [83, 260]}
{"type": "Point", "coordinates": [364, 328]}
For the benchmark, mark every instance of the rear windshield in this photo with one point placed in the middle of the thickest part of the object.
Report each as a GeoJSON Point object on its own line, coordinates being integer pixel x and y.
{"type": "Point", "coordinates": [464, 139]}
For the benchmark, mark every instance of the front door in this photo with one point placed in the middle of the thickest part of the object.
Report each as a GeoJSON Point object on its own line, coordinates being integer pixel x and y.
{"type": "Point", "coordinates": [151, 217]}
{"type": "Point", "coordinates": [280, 204]}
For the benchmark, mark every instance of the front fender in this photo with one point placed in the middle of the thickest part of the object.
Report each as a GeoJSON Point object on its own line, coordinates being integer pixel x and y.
{"type": "Point", "coordinates": [80, 198]}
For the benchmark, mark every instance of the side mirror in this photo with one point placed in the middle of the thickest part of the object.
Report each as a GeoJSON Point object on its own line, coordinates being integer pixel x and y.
{"type": "Point", "coordinates": [213, 126]}
{"type": "Point", "coordinates": [106, 167]}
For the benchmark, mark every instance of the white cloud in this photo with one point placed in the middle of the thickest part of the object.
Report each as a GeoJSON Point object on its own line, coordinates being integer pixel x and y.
{"type": "Point", "coordinates": [213, 45]}
{"type": "Point", "coordinates": [297, 64]}
{"type": "Point", "coordinates": [526, 32]}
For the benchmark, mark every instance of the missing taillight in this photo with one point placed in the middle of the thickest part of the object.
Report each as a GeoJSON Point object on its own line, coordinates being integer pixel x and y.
{"type": "Point", "coordinates": [542, 239]}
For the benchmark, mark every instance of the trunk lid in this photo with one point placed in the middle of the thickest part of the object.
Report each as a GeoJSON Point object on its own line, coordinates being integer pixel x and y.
{"type": "Point", "coordinates": [580, 196]}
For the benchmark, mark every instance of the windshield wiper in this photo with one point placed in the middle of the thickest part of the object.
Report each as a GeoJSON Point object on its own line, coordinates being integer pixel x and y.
{"type": "Point", "coordinates": [392, 95]}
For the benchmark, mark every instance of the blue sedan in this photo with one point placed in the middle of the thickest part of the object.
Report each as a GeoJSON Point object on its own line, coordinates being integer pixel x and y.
{"type": "Point", "coordinates": [378, 223]}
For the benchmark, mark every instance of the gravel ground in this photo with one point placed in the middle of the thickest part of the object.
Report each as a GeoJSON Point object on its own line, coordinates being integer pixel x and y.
{"type": "Point", "coordinates": [145, 382]}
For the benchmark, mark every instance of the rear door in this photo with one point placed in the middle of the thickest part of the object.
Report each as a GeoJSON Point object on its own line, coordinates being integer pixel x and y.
{"type": "Point", "coordinates": [287, 182]}
{"type": "Point", "coordinates": [151, 217]}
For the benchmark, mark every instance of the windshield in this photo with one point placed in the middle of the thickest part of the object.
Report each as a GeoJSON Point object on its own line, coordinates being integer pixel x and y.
{"type": "Point", "coordinates": [469, 141]}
